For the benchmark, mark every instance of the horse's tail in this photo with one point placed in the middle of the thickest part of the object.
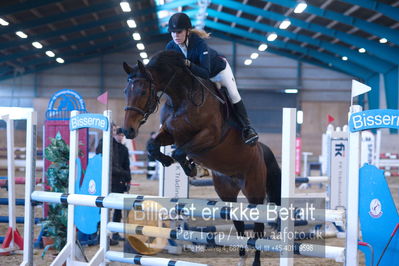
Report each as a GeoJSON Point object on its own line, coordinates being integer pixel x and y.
{"type": "Point", "coordinates": [273, 183]}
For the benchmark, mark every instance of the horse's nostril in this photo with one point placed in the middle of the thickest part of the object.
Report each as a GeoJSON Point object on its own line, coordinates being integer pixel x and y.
{"type": "Point", "coordinates": [125, 132]}
{"type": "Point", "coordinates": [129, 133]}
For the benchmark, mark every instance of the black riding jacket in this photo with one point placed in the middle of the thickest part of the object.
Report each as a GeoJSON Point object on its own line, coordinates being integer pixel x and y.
{"type": "Point", "coordinates": [205, 62]}
{"type": "Point", "coordinates": [120, 170]}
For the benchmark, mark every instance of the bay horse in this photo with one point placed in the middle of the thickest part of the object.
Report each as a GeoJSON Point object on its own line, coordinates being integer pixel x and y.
{"type": "Point", "coordinates": [196, 122]}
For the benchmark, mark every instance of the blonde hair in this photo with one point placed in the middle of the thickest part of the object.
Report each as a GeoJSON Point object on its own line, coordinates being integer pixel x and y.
{"type": "Point", "coordinates": [203, 34]}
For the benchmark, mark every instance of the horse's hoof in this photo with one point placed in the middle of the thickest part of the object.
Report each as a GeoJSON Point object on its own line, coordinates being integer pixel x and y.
{"type": "Point", "coordinates": [190, 170]}
{"type": "Point", "coordinates": [256, 263]}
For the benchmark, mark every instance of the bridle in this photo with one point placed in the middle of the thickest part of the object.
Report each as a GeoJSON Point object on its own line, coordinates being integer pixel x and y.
{"type": "Point", "coordinates": [152, 100]}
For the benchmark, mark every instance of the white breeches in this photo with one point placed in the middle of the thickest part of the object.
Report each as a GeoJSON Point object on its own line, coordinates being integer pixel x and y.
{"type": "Point", "coordinates": [226, 79]}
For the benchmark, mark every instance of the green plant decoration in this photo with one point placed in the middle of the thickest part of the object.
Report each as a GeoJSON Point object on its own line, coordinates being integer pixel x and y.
{"type": "Point", "coordinates": [57, 177]}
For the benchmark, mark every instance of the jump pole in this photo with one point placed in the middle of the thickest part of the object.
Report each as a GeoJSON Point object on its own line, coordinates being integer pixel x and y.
{"type": "Point", "coordinates": [11, 178]}
{"type": "Point", "coordinates": [68, 252]}
{"type": "Point", "coordinates": [30, 182]}
{"type": "Point", "coordinates": [13, 238]}
{"type": "Point", "coordinates": [268, 245]}
{"type": "Point", "coordinates": [352, 203]}
{"type": "Point", "coordinates": [352, 191]}
{"type": "Point", "coordinates": [103, 255]}
{"type": "Point", "coordinates": [287, 181]}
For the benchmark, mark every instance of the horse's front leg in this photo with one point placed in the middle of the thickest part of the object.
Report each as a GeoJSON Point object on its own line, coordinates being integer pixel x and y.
{"type": "Point", "coordinates": [188, 166]}
{"type": "Point", "coordinates": [163, 138]}
{"type": "Point", "coordinates": [199, 142]}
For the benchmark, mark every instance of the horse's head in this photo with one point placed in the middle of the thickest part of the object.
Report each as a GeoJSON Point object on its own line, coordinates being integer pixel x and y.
{"type": "Point", "coordinates": [143, 86]}
{"type": "Point", "coordinates": [141, 98]}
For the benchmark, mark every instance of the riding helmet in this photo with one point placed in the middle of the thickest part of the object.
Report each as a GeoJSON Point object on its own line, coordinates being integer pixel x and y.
{"type": "Point", "coordinates": [179, 22]}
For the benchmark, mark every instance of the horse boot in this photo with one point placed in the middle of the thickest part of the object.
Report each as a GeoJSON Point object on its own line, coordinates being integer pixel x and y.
{"type": "Point", "coordinates": [153, 149]}
{"type": "Point", "coordinates": [188, 166]}
{"type": "Point", "coordinates": [249, 134]}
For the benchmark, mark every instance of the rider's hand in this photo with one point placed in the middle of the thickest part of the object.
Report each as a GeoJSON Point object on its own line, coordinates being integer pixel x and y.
{"type": "Point", "coordinates": [187, 62]}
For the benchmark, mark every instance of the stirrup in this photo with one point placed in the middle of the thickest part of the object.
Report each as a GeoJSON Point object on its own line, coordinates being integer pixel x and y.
{"type": "Point", "coordinates": [251, 140]}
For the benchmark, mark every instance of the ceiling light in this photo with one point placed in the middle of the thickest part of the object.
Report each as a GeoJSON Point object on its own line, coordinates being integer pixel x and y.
{"type": "Point", "coordinates": [60, 60]}
{"type": "Point", "coordinates": [131, 23]}
{"type": "Point", "coordinates": [163, 14]}
{"type": "Point", "coordinates": [125, 6]}
{"type": "Point", "coordinates": [136, 36]}
{"type": "Point", "coordinates": [143, 55]}
{"type": "Point", "coordinates": [254, 55]}
{"type": "Point", "coordinates": [145, 61]}
{"type": "Point", "coordinates": [3, 22]}
{"type": "Point", "coordinates": [37, 45]}
{"type": "Point", "coordinates": [272, 37]}
{"type": "Point", "coordinates": [299, 117]}
{"type": "Point", "coordinates": [300, 7]}
{"type": "Point", "coordinates": [290, 91]}
{"type": "Point", "coordinates": [362, 50]}
{"type": "Point", "coordinates": [262, 47]}
{"type": "Point", "coordinates": [21, 34]}
{"type": "Point", "coordinates": [247, 62]}
{"type": "Point", "coordinates": [285, 24]}
{"type": "Point", "coordinates": [140, 46]}
{"type": "Point", "coordinates": [50, 53]}
{"type": "Point", "coordinates": [345, 58]}
{"type": "Point", "coordinates": [383, 40]}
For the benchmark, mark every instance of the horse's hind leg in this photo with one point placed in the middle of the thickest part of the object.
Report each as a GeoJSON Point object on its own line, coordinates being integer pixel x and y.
{"type": "Point", "coordinates": [255, 192]}
{"type": "Point", "coordinates": [228, 191]}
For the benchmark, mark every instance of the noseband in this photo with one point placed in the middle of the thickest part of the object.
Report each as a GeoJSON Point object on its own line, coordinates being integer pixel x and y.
{"type": "Point", "coordinates": [152, 101]}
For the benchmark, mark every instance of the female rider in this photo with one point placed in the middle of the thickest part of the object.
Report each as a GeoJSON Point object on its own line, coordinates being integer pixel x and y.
{"type": "Point", "coordinates": [206, 63]}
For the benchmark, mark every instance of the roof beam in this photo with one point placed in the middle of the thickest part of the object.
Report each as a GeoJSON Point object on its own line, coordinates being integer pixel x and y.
{"type": "Point", "coordinates": [26, 5]}
{"type": "Point", "coordinates": [255, 44]}
{"type": "Point", "coordinates": [364, 25]}
{"type": "Point", "coordinates": [62, 44]}
{"type": "Point", "coordinates": [100, 36]}
{"type": "Point", "coordinates": [385, 9]}
{"type": "Point", "coordinates": [176, 4]}
{"type": "Point", "coordinates": [347, 67]}
{"type": "Point", "coordinates": [36, 64]}
{"type": "Point", "coordinates": [370, 62]}
{"type": "Point", "coordinates": [382, 51]}
{"type": "Point", "coordinates": [71, 29]}
{"type": "Point", "coordinates": [122, 46]}
{"type": "Point", "coordinates": [58, 17]}
{"type": "Point", "coordinates": [258, 18]}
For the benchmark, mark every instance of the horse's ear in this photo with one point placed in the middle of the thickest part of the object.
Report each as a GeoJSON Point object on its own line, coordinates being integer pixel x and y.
{"type": "Point", "coordinates": [128, 69]}
{"type": "Point", "coordinates": [141, 67]}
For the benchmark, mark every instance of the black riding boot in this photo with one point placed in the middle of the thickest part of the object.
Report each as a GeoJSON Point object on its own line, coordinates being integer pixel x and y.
{"type": "Point", "coordinates": [249, 134]}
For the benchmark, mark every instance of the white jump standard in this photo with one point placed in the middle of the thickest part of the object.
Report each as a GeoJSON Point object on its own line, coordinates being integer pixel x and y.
{"type": "Point", "coordinates": [103, 255]}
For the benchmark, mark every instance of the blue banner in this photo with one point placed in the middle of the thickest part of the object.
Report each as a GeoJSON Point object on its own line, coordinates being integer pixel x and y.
{"type": "Point", "coordinates": [376, 118]}
{"type": "Point", "coordinates": [89, 120]}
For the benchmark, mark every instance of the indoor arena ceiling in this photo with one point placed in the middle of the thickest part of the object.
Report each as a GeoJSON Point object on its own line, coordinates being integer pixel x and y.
{"type": "Point", "coordinates": [357, 37]}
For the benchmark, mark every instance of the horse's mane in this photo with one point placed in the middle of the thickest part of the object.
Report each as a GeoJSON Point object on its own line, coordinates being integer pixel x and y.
{"type": "Point", "coordinates": [166, 60]}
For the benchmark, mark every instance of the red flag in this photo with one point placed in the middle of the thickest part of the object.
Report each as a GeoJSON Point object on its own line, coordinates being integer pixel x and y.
{"type": "Point", "coordinates": [103, 98]}
{"type": "Point", "coordinates": [330, 119]}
